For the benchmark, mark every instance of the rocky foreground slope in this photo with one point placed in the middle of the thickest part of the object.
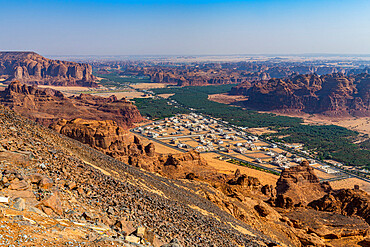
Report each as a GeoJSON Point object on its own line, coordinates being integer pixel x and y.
{"type": "Point", "coordinates": [47, 106]}
{"type": "Point", "coordinates": [292, 214]}
{"type": "Point", "coordinates": [332, 94]}
{"type": "Point", "coordinates": [92, 193]}
{"type": "Point", "coordinates": [30, 67]}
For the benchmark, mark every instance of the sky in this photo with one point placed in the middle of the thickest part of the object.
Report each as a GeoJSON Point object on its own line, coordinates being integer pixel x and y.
{"type": "Point", "coordinates": [189, 27]}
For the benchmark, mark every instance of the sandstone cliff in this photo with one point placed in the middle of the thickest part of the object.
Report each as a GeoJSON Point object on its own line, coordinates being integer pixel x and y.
{"type": "Point", "coordinates": [30, 67]}
{"type": "Point", "coordinates": [47, 106]}
{"type": "Point", "coordinates": [299, 185]}
{"type": "Point", "coordinates": [333, 94]}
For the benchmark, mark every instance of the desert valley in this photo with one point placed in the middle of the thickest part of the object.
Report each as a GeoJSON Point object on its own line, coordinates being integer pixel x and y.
{"type": "Point", "coordinates": [185, 123]}
{"type": "Point", "coordinates": [86, 164]}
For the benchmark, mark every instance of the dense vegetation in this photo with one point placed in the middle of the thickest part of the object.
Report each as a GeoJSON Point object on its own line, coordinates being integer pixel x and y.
{"type": "Point", "coordinates": [250, 165]}
{"type": "Point", "coordinates": [157, 108]}
{"type": "Point", "coordinates": [365, 145]}
{"type": "Point", "coordinates": [197, 98]}
{"type": "Point", "coordinates": [116, 80]}
{"type": "Point", "coordinates": [328, 141]}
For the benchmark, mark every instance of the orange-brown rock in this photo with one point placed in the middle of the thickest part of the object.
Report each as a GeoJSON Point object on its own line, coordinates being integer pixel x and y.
{"type": "Point", "coordinates": [30, 67]}
{"type": "Point", "coordinates": [51, 204]}
{"type": "Point", "coordinates": [332, 94]}
{"type": "Point", "coordinates": [47, 106]}
{"type": "Point", "coordinates": [345, 201]}
{"type": "Point", "coordinates": [299, 185]}
{"type": "Point", "coordinates": [102, 135]}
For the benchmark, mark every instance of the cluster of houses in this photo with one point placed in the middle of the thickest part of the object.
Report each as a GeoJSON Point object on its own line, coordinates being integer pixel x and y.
{"type": "Point", "coordinates": [212, 135]}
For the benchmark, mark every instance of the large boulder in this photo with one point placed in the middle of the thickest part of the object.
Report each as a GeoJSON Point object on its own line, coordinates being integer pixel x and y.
{"type": "Point", "coordinates": [299, 185]}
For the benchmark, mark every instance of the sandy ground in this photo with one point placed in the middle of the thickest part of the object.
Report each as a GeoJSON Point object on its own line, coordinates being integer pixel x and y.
{"type": "Point", "coordinates": [225, 98]}
{"type": "Point", "coordinates": [150, 85]}
{"type": "Point", "coordinates": [228, 168]}
{"type": "Point", "coordinates": [159, 148]}
{"type": "Point", "coordinates": [120, 95]}
{"type": "Point", "coordinates": [349, 184]}
{"type": "Point", "coordinates": [66, 89]}
{"type": "Point", "coordinates": [166, 95]}
{"type": "Point", "coordinates": [260, 131]}
{"type": "Point", "coordinates": [361, 125]}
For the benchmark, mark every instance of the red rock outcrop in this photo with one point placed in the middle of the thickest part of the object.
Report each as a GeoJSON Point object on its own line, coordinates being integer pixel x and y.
{"type": "Point", "coordinates": [30, 67]}
{"type": "Point", "coordinates": [333, 94]}
{"type": "Point", "coordinates": [345, 201]}
{"type": "Point", "coordinates": [299, 185]}
{"type": "Point", "coordinates": [47, 106]}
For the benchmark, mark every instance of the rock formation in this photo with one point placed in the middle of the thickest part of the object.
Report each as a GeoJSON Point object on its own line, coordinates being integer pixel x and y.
{"type": "Point", "coordinates": [345, 201]}
{"type": "Point", "coordinates": [298, 186]}
{"type": "Point", "coordinates": [30, 67]}
{"type": "Point", "coordinates": [332, 94]}
{"type": "Point", "coordinates": [48, 106]}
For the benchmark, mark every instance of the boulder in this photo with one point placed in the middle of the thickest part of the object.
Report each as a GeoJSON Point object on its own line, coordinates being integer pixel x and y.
{"type": "Point", "coordinates": [19, 204]}
{"type": "Point", "coordinates": [51, 204]}
{"type": "Point", "coordinates": [17, 184]}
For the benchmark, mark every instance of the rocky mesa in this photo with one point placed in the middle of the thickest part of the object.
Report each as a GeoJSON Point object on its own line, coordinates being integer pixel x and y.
{"type": "Point", "coordinates": [332, 94]}
{"type": "Point", "coordinates": [47, 106]}
{"type": "Point", "coordinates": [30, 67]}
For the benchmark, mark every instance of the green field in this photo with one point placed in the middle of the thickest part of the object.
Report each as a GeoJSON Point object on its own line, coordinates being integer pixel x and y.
{"type": "Point", "coordinates": [116, 80]}
{"type": "Point", "coordinates": [157, 108]}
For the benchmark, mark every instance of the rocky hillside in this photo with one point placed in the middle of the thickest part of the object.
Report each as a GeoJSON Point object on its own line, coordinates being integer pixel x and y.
{"type": "Point", "coordinates": [94, 198]}
{"type": "Point", "coordinates": [30, 67]}
{"type": "Point", "coordinates": [332, 94]}
{"type": "Point", "coordinates": [47, 106]}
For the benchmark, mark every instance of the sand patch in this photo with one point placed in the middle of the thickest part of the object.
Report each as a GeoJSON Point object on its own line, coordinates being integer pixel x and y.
{"type": "Point", "coordinates": [66, 89]}
{"type": "Point", "coordinates": [98, 168]}
{"type": "Point", "coordinates": [202, 211]}
{"type": "Point", "coordinates": [150, 85]}
{"type": "Point", "coordinates": [261, 131]}
{"type": "Point", "coordinates": [360, 124]}
{"type": "Point", "coordinates": [165, 95]}
{"type": "Point", "coordinates": [229, 168]}
{"type": "Point", "coordinates": [120, 95]}
{"type": "Point", "coordinates": [349, 184]}
{"type": "Point", "coordinates": [225, 98]}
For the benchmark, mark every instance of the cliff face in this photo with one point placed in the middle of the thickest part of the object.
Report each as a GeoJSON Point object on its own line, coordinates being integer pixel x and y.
{"type": "Point", "coordinates": [32, 68]}
{"type": "Point", "coordinates": [47, 106]}
{"type": "Point", "coordinates": [333, 95]}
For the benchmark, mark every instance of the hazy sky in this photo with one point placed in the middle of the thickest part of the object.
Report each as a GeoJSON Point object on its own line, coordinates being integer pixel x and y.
{"type": "Point", "coordinates": [109, 27]}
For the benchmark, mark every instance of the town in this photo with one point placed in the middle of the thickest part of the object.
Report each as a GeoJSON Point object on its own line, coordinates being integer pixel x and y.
{"type": "Point", "coordinates": [232, 143]}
